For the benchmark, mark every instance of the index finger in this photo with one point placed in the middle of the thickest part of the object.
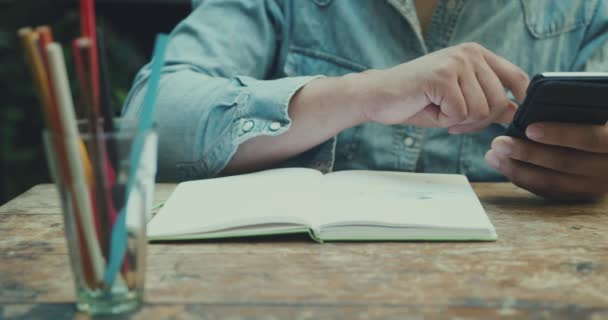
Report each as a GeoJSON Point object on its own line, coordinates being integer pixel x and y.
{"type": "Point", "coordinates": [510, 75]}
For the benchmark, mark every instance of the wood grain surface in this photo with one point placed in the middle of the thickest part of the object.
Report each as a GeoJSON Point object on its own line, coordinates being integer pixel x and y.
{"type": "Point", "coordinates": [550, 262]}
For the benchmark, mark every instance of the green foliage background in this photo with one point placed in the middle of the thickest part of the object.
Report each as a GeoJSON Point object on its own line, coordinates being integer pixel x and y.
{"type": "Point", "coordinates": [22, 160]}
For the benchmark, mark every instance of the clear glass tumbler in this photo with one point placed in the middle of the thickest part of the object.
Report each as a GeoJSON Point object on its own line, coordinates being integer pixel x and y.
{"type": "Point", "coordinates": [102, 188]}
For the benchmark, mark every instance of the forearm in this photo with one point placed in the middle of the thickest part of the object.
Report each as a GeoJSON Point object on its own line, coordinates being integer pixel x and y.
{"type": "Point", "coordinates": [319, 111]}
{"type": "Point", "coordinates": [423, 92]}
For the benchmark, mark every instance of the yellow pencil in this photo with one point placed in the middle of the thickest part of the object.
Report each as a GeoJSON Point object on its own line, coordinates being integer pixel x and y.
{"type": "Point", "coordinates": [34, 62]}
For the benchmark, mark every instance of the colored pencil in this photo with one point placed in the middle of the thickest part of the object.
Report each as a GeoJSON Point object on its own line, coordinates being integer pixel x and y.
{"type": "Point", "coordinates": [107, 103]}
{"type": "Point", "coordinates": [46, 38]}
{"type": "Point", "coordinates": [88, 30]}
{"type": "Point", "coordinates": [104, 176]}
{"type": "Point", "coordinates": [32, 57]}
{"type": "Point", "coordinates": [29, 41]}
{"type": "Point", "coordinates": [107, 107]}
{"type": "Point", "coordinates": [65, 104]}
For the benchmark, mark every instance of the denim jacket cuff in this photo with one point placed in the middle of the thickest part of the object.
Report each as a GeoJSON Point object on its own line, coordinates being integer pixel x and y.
{"type": "Point", "coordinates": [261, 110]}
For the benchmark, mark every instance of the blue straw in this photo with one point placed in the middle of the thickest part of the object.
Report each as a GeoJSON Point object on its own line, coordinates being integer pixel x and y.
{"type": "Point", "coordinates": [118, 241]}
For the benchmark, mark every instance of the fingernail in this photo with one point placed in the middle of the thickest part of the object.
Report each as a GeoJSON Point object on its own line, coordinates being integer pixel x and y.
{"type": "Point", "coordinates": [503, 147]}
{"type": "Point", "coordinates": [535, 131]}
{"type": "Point", "coordinates": [492, 160]}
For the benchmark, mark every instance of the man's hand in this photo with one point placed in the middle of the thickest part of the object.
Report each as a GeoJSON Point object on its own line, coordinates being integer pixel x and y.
{"type": "Point", "coordinates": [564, 161]}
{"type": "Point", "coordinates": [461, 88]}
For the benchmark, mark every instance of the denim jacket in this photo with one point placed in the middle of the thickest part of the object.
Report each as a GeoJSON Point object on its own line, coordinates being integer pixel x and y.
{"type": "Point", "coordinates": [233, 65]}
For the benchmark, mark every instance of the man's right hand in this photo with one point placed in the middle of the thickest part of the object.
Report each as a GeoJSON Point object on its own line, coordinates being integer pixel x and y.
{"type": "Point", "coordinates": [461, 88]}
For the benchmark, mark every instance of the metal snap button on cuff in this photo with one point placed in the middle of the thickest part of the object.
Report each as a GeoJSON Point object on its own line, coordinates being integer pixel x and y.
{"type": "Point", "coordinates": [247, 126]}
{"type": "Point", "coordinates": [275, 126]}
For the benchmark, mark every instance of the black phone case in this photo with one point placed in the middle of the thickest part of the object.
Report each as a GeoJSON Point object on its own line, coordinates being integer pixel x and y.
{"type": "Point", "coordinates": [562, 99]}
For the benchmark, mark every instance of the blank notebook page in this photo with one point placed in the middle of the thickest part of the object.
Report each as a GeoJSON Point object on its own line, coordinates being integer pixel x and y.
{"type": "Point", "coordinates": [277, 196]}
{"type": "Point", "coordinates": [400, 199]}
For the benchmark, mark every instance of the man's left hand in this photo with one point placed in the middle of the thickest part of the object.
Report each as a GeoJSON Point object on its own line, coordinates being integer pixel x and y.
{"type": "Point", "coordinates": [563, 161]}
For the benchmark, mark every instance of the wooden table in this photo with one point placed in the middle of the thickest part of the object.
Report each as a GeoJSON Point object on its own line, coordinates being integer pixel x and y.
{"type": "Point", "coordinates": [550, 262]}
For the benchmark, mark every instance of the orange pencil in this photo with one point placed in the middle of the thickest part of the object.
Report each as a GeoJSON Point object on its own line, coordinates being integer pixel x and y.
{"type": "Point", "coordinates": [45, 37]}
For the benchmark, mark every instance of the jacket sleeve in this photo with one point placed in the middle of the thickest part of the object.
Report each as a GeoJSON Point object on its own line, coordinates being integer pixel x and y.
{"type": "Point", "coordinates": [212, 95]}
{"type": "Point", "coordinates": [593, 54]}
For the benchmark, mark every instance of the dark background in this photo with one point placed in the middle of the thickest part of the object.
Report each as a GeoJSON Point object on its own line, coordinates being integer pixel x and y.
{"type": "Point", "coordinates": [130, 27]}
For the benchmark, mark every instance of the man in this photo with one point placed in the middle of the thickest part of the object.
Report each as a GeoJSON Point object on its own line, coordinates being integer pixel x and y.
{"type": "Point", "coordinates": [381, 85]}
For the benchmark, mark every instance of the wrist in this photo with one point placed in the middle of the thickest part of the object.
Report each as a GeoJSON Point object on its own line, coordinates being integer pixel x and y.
{"type": "Point", "coordinates": [356, 91]}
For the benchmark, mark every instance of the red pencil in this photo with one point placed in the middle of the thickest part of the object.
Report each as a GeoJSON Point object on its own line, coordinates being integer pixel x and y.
{"type": "Point", "coordinates": [87, 16]}
{"type": "Point", "coordinates": [90, 64]}
{"type": "Point", "coordinates": [105, 177]}
{"type": "Point", "coordinates": [80, 48]}
{"type": "Point", "coordinates": [81, 72]}
{"type": "Point", "coordinates": [88, 28]}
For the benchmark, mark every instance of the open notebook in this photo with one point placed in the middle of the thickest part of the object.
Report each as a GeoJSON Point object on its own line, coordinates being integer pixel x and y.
{"type": "Point", "coordinates": [343, 205]}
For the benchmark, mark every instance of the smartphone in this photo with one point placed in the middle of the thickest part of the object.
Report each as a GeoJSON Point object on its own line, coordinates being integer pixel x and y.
{"type": "Point", "coordinates": [574, 97]}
